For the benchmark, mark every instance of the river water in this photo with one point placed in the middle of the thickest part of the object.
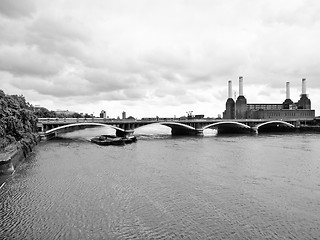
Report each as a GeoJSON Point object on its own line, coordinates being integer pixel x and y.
{"type": "Point", "coordinates": [163, 187]}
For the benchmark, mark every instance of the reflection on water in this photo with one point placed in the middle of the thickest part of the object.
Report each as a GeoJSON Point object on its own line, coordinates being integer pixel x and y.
{"type": "Point", "coordinates": [163, 187]}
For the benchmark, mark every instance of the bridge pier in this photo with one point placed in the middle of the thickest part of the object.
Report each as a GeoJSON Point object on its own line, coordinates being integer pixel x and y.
{"type": "Point", "coordinates": [254, 129]}
{"type": "Point", "coordinates": [125, 133]}
{"type": "Point", "coordinates": [50, 136]}
{"type": "Point", "coordinates": [198, 129]}
{"type": "Point", "coordinates": [199, 132]}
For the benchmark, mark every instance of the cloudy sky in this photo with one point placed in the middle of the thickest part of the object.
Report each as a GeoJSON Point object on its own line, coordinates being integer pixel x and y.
{"type": "Point", "coordinates": [157, 57]}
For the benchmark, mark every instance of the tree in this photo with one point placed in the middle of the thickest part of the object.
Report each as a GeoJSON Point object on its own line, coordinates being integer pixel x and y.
{"type": "Point", "coordinates": [16, 118]}
{"type": "Point", "coordinates": [76, 115]}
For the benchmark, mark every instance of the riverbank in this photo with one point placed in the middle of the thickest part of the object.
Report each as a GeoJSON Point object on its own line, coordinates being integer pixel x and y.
{"type": "Point", "coordinates": [310, 128]}
{"type": "Point", "coordinates": [17, 152]}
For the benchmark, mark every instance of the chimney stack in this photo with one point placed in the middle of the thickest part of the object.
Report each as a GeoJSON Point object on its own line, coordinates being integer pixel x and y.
{"type": "Point", "coordinates": [304, 86]}
{"type": "Point", "coordinates": [287, 90]}
{"type": "Point", "coordinates": [230, 89]}
{"type": "Point", "coordinates": [240, 86]}
{"type": "Point", "coordinates": [304, 102]}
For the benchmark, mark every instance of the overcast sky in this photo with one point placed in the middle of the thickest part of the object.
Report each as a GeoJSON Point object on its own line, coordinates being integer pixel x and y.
{"type": "Point", "coordinates": [158, 57]}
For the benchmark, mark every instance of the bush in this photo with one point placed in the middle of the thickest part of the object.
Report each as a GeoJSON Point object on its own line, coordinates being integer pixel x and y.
{"type": "Point", "coordinates": [16, 119]}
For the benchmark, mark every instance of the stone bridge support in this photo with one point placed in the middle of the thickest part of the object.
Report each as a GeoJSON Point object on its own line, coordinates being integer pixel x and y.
{"type": "Point", "coordinates": [125, 133]}
{"type": "Point", "coordinates": [127, 130]}
{"type": "Point", "coordinates": [199, 129]}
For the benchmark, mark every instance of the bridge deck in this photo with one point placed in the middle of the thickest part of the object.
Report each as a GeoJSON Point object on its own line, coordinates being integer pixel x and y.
{"type": "Point", "coordinates": [116, 121]}
{"type": "Point", "coordinates": [178, 126]}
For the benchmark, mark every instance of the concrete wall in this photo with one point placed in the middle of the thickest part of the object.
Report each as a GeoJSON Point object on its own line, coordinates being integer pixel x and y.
{"type": "Point", "coordinates": [10, 160]}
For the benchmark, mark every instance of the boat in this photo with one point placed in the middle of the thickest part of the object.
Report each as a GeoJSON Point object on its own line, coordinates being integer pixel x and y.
{"type": "Point", "coordinates": [130, 139]}
{"type": "Point", "coordinates": [106, 141]}
{"type": "Point", "coordinates": [126, 139]}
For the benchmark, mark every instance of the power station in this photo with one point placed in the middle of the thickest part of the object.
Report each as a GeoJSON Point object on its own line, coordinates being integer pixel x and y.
{"type": "Point", "coordinates": [240, 109]}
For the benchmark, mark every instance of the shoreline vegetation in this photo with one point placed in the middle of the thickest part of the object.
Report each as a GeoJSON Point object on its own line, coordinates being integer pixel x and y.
{"type": "Point", "coordinates": [18, 131]}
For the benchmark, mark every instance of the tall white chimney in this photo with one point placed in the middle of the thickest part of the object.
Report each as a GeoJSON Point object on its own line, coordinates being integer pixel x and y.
{"type": "Point", "coordinates": [287, 90]}
{"type": "Point", "coordinates": [304, 86]}
{"type": "Point", "coordinates": [230, 89]}
{"type": "Point", "coordinates": [240, 86]}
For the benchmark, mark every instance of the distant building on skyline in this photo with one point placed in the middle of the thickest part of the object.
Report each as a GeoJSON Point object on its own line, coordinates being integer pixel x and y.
{"type": "Point", "coordinates": [103, 114]}
{"type": "Point", "coordinates": [64, 112]}
{"type": "Point", "coordinates": [286, 110]}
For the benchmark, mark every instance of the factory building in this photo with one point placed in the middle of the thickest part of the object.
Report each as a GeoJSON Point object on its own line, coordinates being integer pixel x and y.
{"type": "Point", "coordinates": [124, 115]}
{"type": "Point", "coordinates": [103, 114]}
{"type": "Point", "coordinates": [240, 109]}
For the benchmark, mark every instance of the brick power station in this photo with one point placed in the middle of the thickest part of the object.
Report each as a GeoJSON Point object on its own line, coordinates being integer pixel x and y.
{"type": "Point", "coordinates": [286, 110]}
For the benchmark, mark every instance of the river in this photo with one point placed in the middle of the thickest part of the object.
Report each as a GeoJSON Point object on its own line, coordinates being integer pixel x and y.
{"type": "Point", "coordinates": [163, 187]}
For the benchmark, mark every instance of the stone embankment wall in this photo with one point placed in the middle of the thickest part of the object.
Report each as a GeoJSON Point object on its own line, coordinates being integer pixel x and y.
{"type": "Point", "coordinates": [11, 158]}
{"type": "Point", "coordinates": [312, 128]}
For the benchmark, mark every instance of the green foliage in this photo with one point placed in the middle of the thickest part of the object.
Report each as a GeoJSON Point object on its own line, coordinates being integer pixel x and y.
{"type": "Point", "coordinates": [76, 115]}
{"type": "Point", "coordinates": [16, 118]}
{"type": "Point", "coordinates": [45, 113]}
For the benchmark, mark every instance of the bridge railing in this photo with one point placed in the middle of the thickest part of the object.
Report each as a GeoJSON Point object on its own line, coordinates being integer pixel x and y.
{"type": "Point", "coordinates": [74, 120]}
{"type": "Point", "coordinates": [204, 120]}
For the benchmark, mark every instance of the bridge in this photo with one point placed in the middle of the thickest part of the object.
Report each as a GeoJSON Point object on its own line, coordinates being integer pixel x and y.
{"type": "Point", "coordinates": [53, 126]}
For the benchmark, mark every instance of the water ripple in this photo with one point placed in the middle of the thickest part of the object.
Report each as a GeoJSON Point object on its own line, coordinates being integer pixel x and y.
{"type": "Point", "coordinates": [165, 188]}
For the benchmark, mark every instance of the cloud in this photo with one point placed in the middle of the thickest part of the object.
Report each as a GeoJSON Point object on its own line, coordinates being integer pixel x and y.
{"type": "Point", "coordinates": [161, 53]}
{"type": "Point", "coordinates": [17, 9]}
{"type": "Point", "coordinates": [54, 34]}
{"type": "Point", "coordinates": [26, 61]}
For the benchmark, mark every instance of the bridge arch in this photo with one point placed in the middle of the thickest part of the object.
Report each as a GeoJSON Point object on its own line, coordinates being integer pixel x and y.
{"type": "Point", "coordinates": [230, 127]}
{"type": "Point", "coordinates": [176, 124]}
{"type": "Point", "coordinates": [55, 130]}
{"type": "Point", "coordinates": [179, 128]}
{"type": "Point", "coordinates": [274, 126]}
{"type": "Point", "coordinates": [176, 128]}
{"type": "Point", "coordinates": [226, 123]}
{"type": "Point", "coordinates": [168, 124]}
{"type": "Point", "coordinates": [275, 122]}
